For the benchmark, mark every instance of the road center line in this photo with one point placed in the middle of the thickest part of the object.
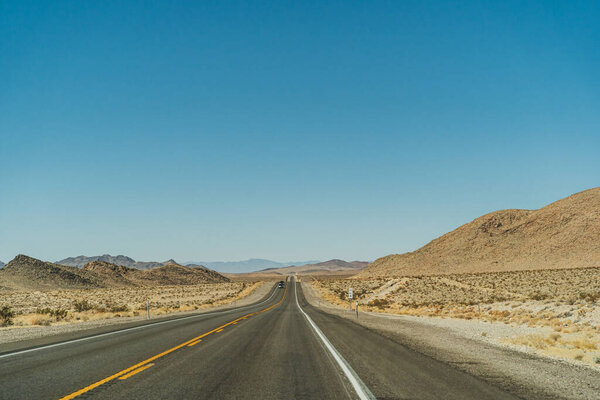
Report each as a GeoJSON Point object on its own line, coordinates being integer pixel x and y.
{"type": "Point", "coordinates": [358, 385]}
{"type": "Point", "coordinates": [164, 353]}
{"type": "Point", "coordinates": [140, 369]}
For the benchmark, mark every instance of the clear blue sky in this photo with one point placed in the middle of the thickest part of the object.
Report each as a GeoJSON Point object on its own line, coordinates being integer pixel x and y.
{"type": "Point", "coordinates": [286, 130]}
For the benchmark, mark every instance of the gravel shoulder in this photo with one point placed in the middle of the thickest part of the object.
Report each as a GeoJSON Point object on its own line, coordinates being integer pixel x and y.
{"type": "Point", "coordinates": [461, 344]}
{"type": "Point", "coordinates": [12, 337]}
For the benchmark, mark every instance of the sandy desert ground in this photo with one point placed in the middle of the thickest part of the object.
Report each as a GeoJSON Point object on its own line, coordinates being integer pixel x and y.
{"type": "Point", "coordinates": [560, 307]}
{"type": "Point", "coordinates": [44, 308]}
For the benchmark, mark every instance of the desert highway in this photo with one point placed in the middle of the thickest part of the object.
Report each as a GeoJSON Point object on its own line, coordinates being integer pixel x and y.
{"type": "Point", "coordinates": [277, 348]}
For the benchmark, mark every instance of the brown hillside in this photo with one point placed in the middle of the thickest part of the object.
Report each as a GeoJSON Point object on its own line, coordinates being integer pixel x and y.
{"type": "Point", "coordinates": [175, 274]}
{"type": "Point", "coordinates": [111, 275]}
{"type": "Point", "coordinates": [564, 234]}
{"type": "Point", "coordinates": [25, 272]}
{"type": "Point", "coordinates": [170, 274]}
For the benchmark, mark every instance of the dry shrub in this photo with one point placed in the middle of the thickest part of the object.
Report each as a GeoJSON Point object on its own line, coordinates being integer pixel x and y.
{"type": "Point", "coordinates": [554, 337]}
{"type": "Point", "coordinates": [589, 296]}
{"type": "Point", "coordinates": [40, 319]}
{"type": "Point", "coordinates": [6, 316]}
{"type": "Point", "coordinates": [118, 308]}
{"type": "Point", "coordinates": [82, 305]}
{"type": "Point", "coordinates": [535, 341]}
{"type": "Point", "coordinates": [539, 296]}
{"type": "Point", "coordinates": [379, 303]}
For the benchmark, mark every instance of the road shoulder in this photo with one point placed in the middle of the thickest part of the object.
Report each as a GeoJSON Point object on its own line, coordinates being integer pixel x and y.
{"type": "Point", "coordinates": [18, 338]}
{"type": "Point", "coordinates": [526, 375]}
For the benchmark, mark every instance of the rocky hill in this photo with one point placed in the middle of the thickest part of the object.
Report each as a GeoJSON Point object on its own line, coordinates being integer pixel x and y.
{"type": "Point", "coordinates": [27, 273]}
{"type": "Point", "coordinates": [111, 275]}
{"type": "Point", "coordinates": [564, 234]}
{"type": "Point", "coordinates": [175, 274]}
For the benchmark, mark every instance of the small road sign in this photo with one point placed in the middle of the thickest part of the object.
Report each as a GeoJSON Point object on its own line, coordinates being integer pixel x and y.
{"type": "Point", "coordinates": [350, 293]}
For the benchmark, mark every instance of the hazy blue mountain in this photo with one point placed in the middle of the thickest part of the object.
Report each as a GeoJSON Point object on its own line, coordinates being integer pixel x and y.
{"type": "Point", "coordinates": [2, 264]}
{"type": "Point", "coordinates": [251, 265]}
{"type": "Point", "coordinates": [331, 267]}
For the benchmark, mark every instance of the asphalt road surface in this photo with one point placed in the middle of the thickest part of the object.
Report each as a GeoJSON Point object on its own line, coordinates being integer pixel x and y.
{"type": "Point", "coordinates": [278, 348]}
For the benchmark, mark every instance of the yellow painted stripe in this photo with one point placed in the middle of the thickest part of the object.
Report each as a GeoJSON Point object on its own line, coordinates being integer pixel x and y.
{"type": "Point", "coordinates": [140, 369]}
{"type": "Point", "coordinates": [164, 353]}
{"type": "Point", "coordinates": [220, 330]}
{"type": "Point", "coordinates": [196, 342]}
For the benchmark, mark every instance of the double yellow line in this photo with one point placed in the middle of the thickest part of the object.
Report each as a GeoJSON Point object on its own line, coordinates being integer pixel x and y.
{"type": "Point", "coordinates": [139, 367]}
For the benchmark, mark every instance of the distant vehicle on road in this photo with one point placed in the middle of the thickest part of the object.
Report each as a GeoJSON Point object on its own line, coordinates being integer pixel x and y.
{"type": "Point", "coordinates": [281, 284]}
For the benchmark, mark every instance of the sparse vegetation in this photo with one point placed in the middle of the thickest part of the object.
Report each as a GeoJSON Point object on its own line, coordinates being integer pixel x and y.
{"type": "Point", "coordinates": [566, 286]}
{"type": "Point", "coordinates": [379, 303]}
{"type": "Point", "coordinates": [6, 316]}
{"type": "Point", "coordinates": [82, 305]}
{"type": "Point", "coordinates": [559, 302]}
{"type": "Point", "coordinates": [589, 296]}
{"type": "Point", "coordinates": [44, 308]}
{"type": "Point", "coordinates": [539, 296]}
{"type": "Point", "coordinates": [58, 314]}
{"type": "Point", "coordinates": [118, 308]}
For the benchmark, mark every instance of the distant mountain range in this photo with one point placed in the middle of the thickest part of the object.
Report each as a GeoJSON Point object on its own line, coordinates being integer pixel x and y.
{"type": "Point", "coordinates": [2, 264]}
{"type": "Point", "coordinates": [251, 265]}
{"type": "Point", "coordinates": [27, 273]}
{"type": "Point", "coordinates": [123, 261]}
{"type": "Point", "coordinates": [331, 267]}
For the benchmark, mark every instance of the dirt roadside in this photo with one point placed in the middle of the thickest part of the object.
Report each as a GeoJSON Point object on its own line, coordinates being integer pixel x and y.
{"type": "Point", "coordinates": [17, 334]}
{"type": "Point", "coordinates": [527, 375]}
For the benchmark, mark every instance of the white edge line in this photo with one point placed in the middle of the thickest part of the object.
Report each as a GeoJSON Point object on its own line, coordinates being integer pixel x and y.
{"type": "Point", "coordinates": [134, 328]}
{"type": "Point", "coordinates": [359, 386]}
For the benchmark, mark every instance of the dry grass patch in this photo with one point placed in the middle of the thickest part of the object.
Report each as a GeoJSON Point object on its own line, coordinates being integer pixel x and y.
{"type": "Point", "coordinates": [566, 301]}
{"type": "Point", "coordinates": [44, 308]}
{"type": "Point", "coordinates": [584, 348]}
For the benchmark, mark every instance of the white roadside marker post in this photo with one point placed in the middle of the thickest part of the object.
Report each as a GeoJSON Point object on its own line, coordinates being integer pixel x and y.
{"type": "Point", "coordinates": [350, 297]}
{"type": "Point", "coordinates": [356, 309]}
{"type": "Point", "coordinates": [148, 309]}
